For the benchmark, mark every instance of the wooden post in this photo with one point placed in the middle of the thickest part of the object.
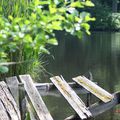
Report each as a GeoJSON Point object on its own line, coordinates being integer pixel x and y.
{"type": "Point", "coordinates": [22, 101]}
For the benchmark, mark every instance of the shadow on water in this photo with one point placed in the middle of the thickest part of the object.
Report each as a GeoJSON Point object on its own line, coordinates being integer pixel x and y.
{"type": "Point", "coordinates": [98, 53]}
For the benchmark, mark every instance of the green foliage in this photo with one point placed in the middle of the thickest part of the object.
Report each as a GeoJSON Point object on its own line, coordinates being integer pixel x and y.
{"type": "Point", "coordinates": [105, 18]}
{"type": "Point", "coordinates": [102, 14]}
{"type": "Point", "coordinates": [26, 26]}
{"type": "Point", "coordinates": [115, 21]}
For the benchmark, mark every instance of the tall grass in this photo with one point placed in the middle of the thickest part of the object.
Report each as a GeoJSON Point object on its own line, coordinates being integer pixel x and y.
{"type": "Point", "coordinates": [24, 61]}
{"type": "Point", "coordinates": [14, 7]}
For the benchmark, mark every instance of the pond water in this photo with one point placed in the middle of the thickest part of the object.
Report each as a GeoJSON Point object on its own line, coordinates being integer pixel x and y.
{"type": "Point", "coordinates": [98, 53]}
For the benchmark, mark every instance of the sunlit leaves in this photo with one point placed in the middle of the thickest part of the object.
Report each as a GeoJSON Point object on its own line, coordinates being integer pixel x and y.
{"type": "Point", "coordinates": [29, 25]}
{"type": "Point", "coordinates": [77, 4]}
{"type": "Point", "coordinates": [52, 41]}
{"type": "Point", "coordinates": [52, 9]}
{"type": "Point", "coordinates": [88, 3]}
{"type": "Point", "coordinates": [44, 50]}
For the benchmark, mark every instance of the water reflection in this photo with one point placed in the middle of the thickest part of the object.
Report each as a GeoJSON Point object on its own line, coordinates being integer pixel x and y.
{"type": "Point", "coordinates": [98, 53]}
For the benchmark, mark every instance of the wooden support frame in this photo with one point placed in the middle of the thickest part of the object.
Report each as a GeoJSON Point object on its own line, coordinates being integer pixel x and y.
{"type": "Point", "coordinates": [7, 101]}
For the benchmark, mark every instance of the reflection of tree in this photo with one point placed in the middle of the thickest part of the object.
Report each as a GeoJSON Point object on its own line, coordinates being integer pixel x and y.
{"type": "Point", "coordinates": [111, 3]}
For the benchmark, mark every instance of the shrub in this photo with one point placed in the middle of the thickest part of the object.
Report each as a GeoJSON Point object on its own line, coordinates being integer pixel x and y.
{"type": "Point", "coordinates": [27, 26]}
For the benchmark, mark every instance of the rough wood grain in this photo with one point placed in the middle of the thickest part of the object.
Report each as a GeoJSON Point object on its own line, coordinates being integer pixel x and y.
{"type": "Point", "coordinates": [35, 98]}
{"type": "Point", "coordinates": [9, 102]}
{"type": "Point", "coordinates": [3, 113]}
{"type": "Point", "coordinates": [94, 89]}
{"type": "Point", "coordinates": [73, 99]}
{"type": "Point", "coordinates": [12, 83]}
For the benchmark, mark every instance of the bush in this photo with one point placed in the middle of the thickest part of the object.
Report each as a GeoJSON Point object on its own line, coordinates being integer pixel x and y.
{"type": "Point", "coordinates": [105, 19]}
{"type": "Point", "coordinates": [102, 14]}
{"type": "Point", "coordinates": [26, 26]}
{"type": "Point", "coordinates": [115, 21]}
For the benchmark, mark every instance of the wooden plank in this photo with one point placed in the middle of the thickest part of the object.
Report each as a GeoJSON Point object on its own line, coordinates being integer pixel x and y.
{"type": "Point", "coordinates": [99, 107]}
{"type": "Point", "coordinates": [9, 102]}
{"type": "Point", "coordinates": [36, 99]}
{"type": "Point", "coordinates": [12, 83]}
{"type": "Point", "coordinates": [3, 113]}
{"type": "Point", "coordinates": [94, 89]}
{"type": "Point", "coordinates": [72, 98]}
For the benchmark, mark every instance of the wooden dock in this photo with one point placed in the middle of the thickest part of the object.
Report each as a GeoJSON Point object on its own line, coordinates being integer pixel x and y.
{"type": "Point", "coordinates": [21, 96]}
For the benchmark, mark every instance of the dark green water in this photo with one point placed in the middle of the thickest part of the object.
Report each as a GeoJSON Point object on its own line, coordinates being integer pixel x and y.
{"type": "Point", "coordinates": [98, 53]}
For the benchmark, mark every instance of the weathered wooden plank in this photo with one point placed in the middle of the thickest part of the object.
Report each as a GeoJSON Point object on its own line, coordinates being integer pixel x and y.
{"type": "Point", "coordinates": [9, 102]}
{"type": "Point", "coordinates": [3, 113]}
{"type": "Point", "coordinates": [94, 89]}
{"type": "Point", "coordinates": [99, 107]}
{"type": "Point", "coordinates": [36, 99]}
{"type": "Point", "coordinates": [73, 99]}
{"type": "Point", "coordinates": [12, 83]}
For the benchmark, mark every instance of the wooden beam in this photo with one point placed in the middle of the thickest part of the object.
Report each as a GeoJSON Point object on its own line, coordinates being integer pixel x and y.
{"type": "Point", "coordinates": [99, 107]}
{"type": "Point", "coordinates": [35, 98]}
{"type": "Point", "coordinates": [9, 102]}
{"type": "Point", "coordinates": [72, 98]}
{"type": "Point", "coordinates": [94, 89]}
